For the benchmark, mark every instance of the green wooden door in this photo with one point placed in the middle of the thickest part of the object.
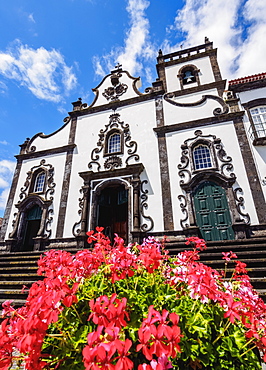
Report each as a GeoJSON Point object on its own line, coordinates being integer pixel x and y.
{"type": "Point", "coordinates": [212, 213]}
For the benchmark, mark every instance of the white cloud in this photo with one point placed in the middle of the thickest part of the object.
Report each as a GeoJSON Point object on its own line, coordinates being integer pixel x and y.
{"type": "Point", "coordinates": [3, 142]}
{"type": "Point", "coordinates": [237, 28]}
{"type": "Point", "coordinates": [137, 47]}
{"type": "Point", "coordinates": [252, 54]}
{"type": "Point", "coordinates": [6, 173]}
{"type": "Point", "coordinates": [31, 18]}
{"type": "Point", "coordinates": [42, 71]}
{"type": "Point", "coordinates": [3, 198]}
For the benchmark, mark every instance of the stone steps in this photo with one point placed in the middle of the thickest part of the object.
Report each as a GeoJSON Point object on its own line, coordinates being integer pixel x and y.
{"type": "Point", "coordinates": [250, 251]}
{"type": "Point", "coordinates": [20, 269]}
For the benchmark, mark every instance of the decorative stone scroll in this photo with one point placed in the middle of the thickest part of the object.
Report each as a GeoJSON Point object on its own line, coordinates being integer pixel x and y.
{"type": "Point", "coordinates": [143, 206]}
{"type": "Point", "coordinates": [114, 123]}
{"type": "Point", "coordinates": [217, 111]}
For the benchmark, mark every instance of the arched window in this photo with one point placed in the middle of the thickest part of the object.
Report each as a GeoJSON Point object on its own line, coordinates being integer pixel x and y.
{"type": "Point", "coordinates": [202, 157]}
{"type": "Point", "coordinates": [259, 119]}
{"type": "Point", "coordinates": [114, 143]}
{"type": "Point", "coordinates": [189, 76]}
{"type": "Point", "coordinates": [39, 182]}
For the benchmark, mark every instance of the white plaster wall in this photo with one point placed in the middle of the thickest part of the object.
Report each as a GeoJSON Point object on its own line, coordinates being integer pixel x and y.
{"type": "Point", "coordinates": [57, 139]}
{"type": "Point", "coordinates": [58, 162]}
{"type": "Point", "coordinates": [224, 131]}
{"type": "Point", "coordinates": [174, 114]}
{"type": "Point", "coordinates": [205, 75]}
{"type": "Point", "coordinates": [246, 96]}
{"type": "Point", "coordinates": [141, 119]}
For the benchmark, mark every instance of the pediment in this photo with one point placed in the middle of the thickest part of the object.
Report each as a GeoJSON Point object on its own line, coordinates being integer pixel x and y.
{"type": "Point", "coordinates": [116, 86]}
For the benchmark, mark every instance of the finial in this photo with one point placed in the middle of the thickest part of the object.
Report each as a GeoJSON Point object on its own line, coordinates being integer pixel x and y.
{"type": "Point", "coordinates": [118, 66]}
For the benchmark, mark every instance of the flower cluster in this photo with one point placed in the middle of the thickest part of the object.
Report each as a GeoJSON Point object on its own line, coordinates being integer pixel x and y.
{"type": "Point", "coordinates": [117, 307]}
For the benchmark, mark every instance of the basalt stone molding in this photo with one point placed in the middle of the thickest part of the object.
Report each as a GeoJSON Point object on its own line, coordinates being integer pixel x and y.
{"type": "Point", "coordinates": [251, 171]}
{"type": "Point", "coordinates": [95, 182]}
{"type": "Point", "coordinates": [217, 111]}
{"type": "Point", "coordinates": [220, 172]}
{"type": "Point", "coordinates": [10, 200]}
{"type": "Point", "coordinates": [164, 168]}
{"type": "Point", "coordinates": [144, 206]}
{"type": "Point", "coordinates": [64, 194]}
{"type": "Point", "coordinates": [198, 123]}
{"type": "Point", "coordinates": [66, 178]}
{"type": "Point", "coordinates": [28, 148]}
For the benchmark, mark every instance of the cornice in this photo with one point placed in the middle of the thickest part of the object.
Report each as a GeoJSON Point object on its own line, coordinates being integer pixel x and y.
{"type": "Point", "coordinates": [116, 104]}
{"type": "Point", "coordinates": [201, 122]}
{"type": "Point", "coordinates": [43, 153]}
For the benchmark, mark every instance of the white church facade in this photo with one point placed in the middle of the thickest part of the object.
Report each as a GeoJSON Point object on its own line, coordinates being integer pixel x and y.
{"type": "Point", "coordinates": [184, 158]}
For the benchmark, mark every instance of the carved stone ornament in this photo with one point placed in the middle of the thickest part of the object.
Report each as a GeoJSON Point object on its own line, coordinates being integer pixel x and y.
{"type": "Point", "coordinates": [220, 172]}
{"type": "Point", "coordinates": [143, 206]}
{"type": "Point", "coordinates": [240, 204]}
{"type": "Point", "coordinates": [49, 184]}
{"type": "Point", "coordinates": [28, 199]}
{"type": "Point", "coordinates": [114, 123]}
{"type": "Point", "coordinates": [113, 93]}
{"type": "Point", "coordinates": [221, 162]}
{"type": "Point", "coordinates": [217, 111]}
{"type": "Point", "coordinates": [112, 162]}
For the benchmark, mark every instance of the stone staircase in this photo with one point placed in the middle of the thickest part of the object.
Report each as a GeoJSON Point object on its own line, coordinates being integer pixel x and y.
{"type": "Point", "coordinates": [17, 270]}
{"type": "Point", "coordinates": [250, 251]}
{"type": "Point", "coordinates": [20, 269]}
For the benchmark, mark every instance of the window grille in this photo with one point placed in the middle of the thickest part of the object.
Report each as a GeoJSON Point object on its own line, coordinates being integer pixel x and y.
{"type": "Point", "coordinates": [259, 119]}
{"type": "Point", "coordinates": [114, 143]}
{"type": "Point", "coordinates": [39, 183]}
{"type": "Point", "coordinates": [202, 157]}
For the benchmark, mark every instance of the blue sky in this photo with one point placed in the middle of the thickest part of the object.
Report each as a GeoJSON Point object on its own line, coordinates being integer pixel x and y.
{"type": "Point", "coordinates": [55, 51]}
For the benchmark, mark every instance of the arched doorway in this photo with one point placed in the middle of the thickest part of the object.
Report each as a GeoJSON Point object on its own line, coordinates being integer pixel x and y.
{"type": "Point", "coordinates": [113, 211]}
{"type": "Point", "coordinates": [32, 226]}
{"type": "Point", "coordinates": [212, 212]}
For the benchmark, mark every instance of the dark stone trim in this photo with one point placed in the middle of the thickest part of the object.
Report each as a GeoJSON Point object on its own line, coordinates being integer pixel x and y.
{"type": "Point", "coordinates": [72, 133]}
{"type": "Point", "coordinates": [115, 104]}
{"type": "Point", "coordinates": [251, 170]}
{"type": "Point", "coordinates": [216, 111]}
{"type": "Point", "coordinates": [88, 176]}
{"type": "Point", "coordinates": [195, 73]}
{"type": "Point", "coordinates": [131, 173]}
{"type": "Point", "coordinates": [260, 141]}
{"type": "Point", "coordinates": [201, 122]}
{"type": "Point", "coordinates": [164, 170]}
{"type": "Point", "coordinates": [215, 67]}
{"type": "Point", "coordinates": [246, 86]}
{"type": "Point", "coordinates": [66, 180]}
{"type": "Point", "coordinates": [254, 103]}
{"type": "Point", "coordinates": [10, 201]}
{"type": "Point", "coordinates": [26, 146]}
{"type": "Point", "coordinates": [182, 59]}
{"type": "Point", "coordinates": [219, 85]}
{"type": "Point", "coordinates": [43, 153]}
